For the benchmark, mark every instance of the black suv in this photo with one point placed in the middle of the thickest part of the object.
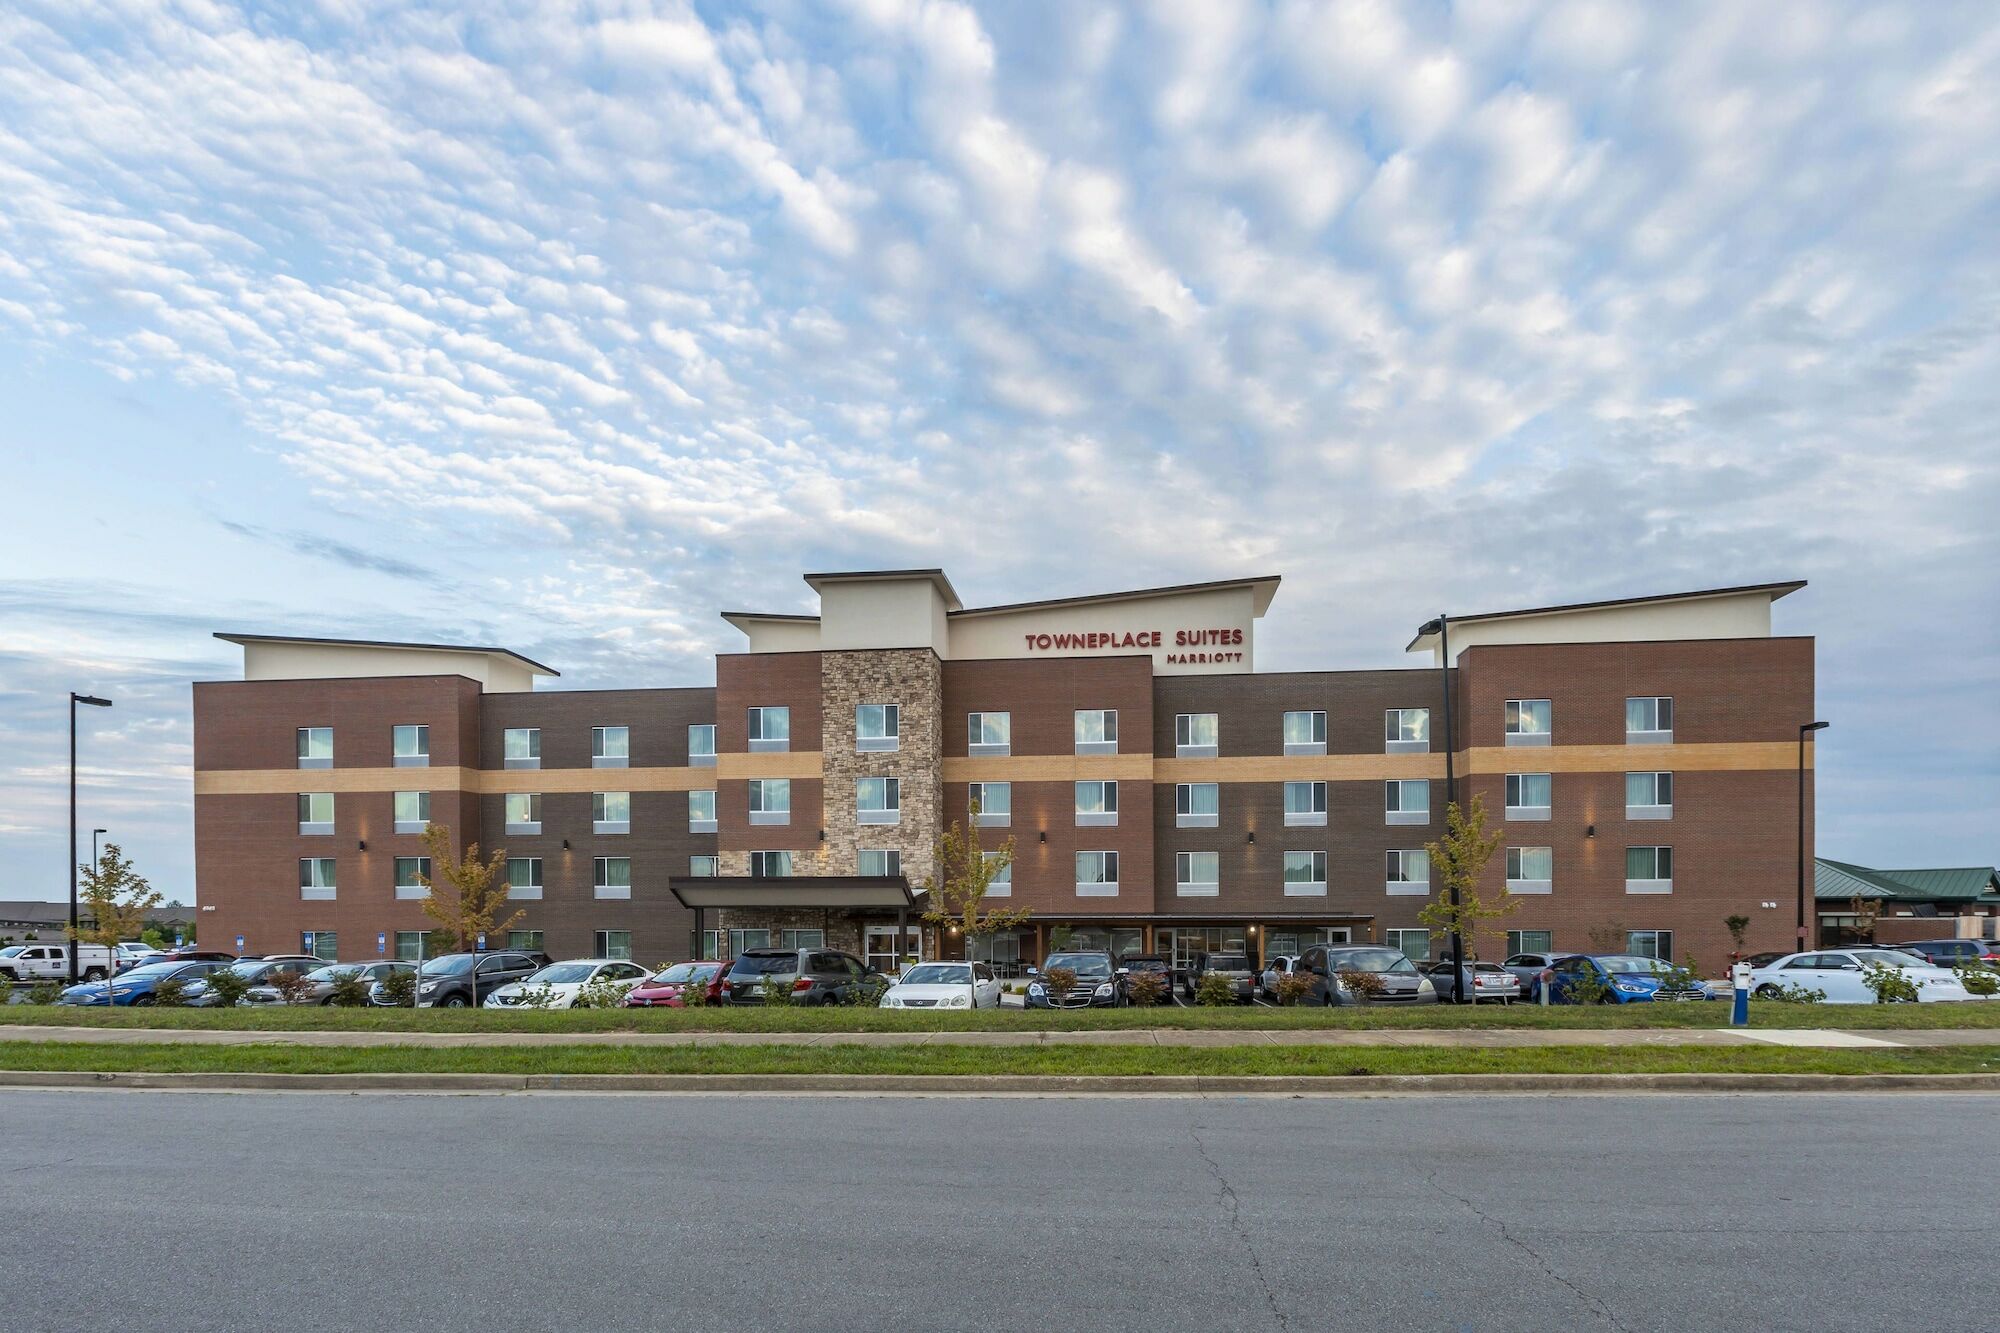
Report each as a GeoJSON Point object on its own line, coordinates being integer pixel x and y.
{"type": "Point", "coordinates": [1149, 964]}
{"type": "Point", "coordinates": [1100, 982]}
{"type": "Point", "coordinates": [463, 980]}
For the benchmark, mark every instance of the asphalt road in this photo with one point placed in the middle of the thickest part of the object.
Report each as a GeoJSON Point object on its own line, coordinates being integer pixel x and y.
{"type": "Point", "coordinates": [138, 1211]}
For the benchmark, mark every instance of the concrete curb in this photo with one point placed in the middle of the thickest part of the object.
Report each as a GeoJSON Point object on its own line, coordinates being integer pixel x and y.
{"type": "Point", "coordinates": [1181, 1085]}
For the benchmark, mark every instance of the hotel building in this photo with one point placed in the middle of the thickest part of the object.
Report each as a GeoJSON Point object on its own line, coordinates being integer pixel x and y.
{"type": "Point", "coordinates": [1641, 759]}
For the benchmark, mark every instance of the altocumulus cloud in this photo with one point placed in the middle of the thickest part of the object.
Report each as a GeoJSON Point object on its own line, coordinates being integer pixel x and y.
{"type": "Point", "coordinates": [642, 308]}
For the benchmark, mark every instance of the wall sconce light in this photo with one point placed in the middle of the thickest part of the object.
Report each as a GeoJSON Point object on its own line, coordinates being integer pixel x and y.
{"type": "Point", "coordinates": [362, 844]}
{"type": "Point", "coordinates": [565, 844]}
{"type": "Point", "coordinates": [1253, 837]}
{"type": "Point", "coordinates": [822, 835]}
{"type": "Point", "coordinates": [1253, 930]}
{"type": "Point", "coordinates": [1043, 836]}
{"type": "Point", "coordinates": [1590, 831]}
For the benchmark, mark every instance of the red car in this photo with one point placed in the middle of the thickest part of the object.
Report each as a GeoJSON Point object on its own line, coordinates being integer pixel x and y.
{"type": "Point", "coordinates": [663, 989]}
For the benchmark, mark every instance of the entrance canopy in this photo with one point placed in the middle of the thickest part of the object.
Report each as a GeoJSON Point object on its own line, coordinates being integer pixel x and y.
{"type": "Point", "coordinates": [846, 892]}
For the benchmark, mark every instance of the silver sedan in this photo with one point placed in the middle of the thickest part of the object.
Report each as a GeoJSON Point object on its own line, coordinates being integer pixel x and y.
{"type": "Point", "coordinates": [322, 980]}
{"type": "Point", "coordinates": [1482, 981]}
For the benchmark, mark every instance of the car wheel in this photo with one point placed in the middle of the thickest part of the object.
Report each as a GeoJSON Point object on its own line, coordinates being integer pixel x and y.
{"type": "Point", "coordinates": [327, 1001]}
{"type": "Point", "coordinates": [1767, 992]}
{"type": "Point", "coordinates": [453, 1002]}
{"type": "Point", "coordinates": [93, 974]}
{"type": "Point", "coordinates": [142, 999]}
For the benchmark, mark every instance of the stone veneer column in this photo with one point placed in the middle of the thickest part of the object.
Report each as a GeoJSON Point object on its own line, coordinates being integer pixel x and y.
{"type": "Point", "coordinates": [913, 680]}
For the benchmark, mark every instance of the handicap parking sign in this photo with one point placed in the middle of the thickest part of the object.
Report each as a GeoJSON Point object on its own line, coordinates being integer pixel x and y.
{"type": "Point", "coordinates": [239, 944]}
{"type": "Point", "coordinates": [381, 943]}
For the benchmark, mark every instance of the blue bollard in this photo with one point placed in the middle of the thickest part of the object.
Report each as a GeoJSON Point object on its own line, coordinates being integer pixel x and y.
{"type": "Point", "coordinates": [1739, 1013]}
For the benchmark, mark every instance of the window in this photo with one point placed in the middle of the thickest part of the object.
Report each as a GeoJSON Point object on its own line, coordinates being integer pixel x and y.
{"type": "Point", "coordinates": [613, 943]}
{"type": "Point", "coordinates": [1305, 733]}
{"type": "Point", "coordinates": [701, 811]}
{"type": "Point", "coordinates": [1305, 804]}
{"type": "Point", "coordinates": [611, 812]}
{"type": "Point", "coordinates": [521, 747]}
{"type": "Point", "coordinates": [878, 727]}
{"type": "Point", "coordinates": [1528, 722]}
{"type": "Point", "coordinates": [1415, 944]}
{"type": "Point", "coordinates": [878, 800]}
{"type": "Point", "coordinates": [989, 733]}
{"type": "Point", "coordinates": [1096, 804]}
{"type": "Point", "coordinates": [1195, 735]}
{"type": "Point", "coordinates": [808, 939]}
{"type": "Point", "coordinates": [410, 747]}
{"type": "Point", "coordinates": [321, 944]}
{"type": "Point", "coordinates": [524, 877]}
{"type": "Point", "coordinates": [316, 877]}
{"type": "Point", "coordinates": [1406, 731]}
{"type": "Point", "coordinates": [1407, 801]}
{"type": "Point", "coordinates": [1197, 874]}
{"type": "Point", "coordinates": [1409, 872]}
{"type": "Point", "coordinates": [704, 867]}
{"type": "Point", "coordinates": [315, 812]}
{"type": "Point", "coordinates": [315, 747]}
{"type": "Point", "coordinates": [880, 861]}
{"type": "Point", "coordinates": [1305, 874]}
{"type": "Point", "coordinates": [732, 942]}
{"type": "Point", "coordinates": [770, 865]}
{"type": "Point", "coordinates": [1649, 796]}
{"type": "Point", "coordinates": [770, 800]}
{"type": "Point", "coordinates": [701, 745]}
{"type": "Point", "coordinates": [1649, 720]}
{"type": "Point", "coordinates": [1530, 869]}
{"type": "Point", "coordinates": [610, 747]}
{"type": "Point", "coordinates": [612, 878]}
{"type": "Point", "coordinates": [1097, 731]}
{"type": "Point", "coordinates": [995, 802]}
{"type": "Point", "coordinates": [1530, 941]}
{"type": "Point", "coordinates": [528, 940]}
{"type": "Point", "coordinates": [413, 878]}
{"type": "Point", "coordinates": [409, 945]}
{"type": "Point", "coordinates": [1196, 804]}
{"type": "Point", "coordinates": [1649, 870]}
{"type": "Point", "coordinates": [1002, 883]}
{"type": "Point", "coordinates": [413, 811]}
{"type": "Point", "coordinates": [1097, 874]}
{"type": "Point", "coordinates": [524, 811]}
{"type": "Point", "coordinates": [1651, 944]}
{"type": "Point", "coordinates": [770, 730]}
{"type": "Point", "coordinates": [1528, 795]}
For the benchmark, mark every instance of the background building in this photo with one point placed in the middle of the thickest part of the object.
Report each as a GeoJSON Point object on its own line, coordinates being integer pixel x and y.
{"type": "Point", "coordinates": [1641, 756]}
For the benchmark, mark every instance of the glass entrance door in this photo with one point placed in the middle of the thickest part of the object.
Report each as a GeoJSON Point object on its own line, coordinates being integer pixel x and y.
{"type": "Point", "coordinates": [879, 945]}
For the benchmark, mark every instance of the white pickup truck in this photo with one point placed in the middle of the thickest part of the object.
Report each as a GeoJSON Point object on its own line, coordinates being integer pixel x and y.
{"type": "Point", "coordinates": [50, 962]}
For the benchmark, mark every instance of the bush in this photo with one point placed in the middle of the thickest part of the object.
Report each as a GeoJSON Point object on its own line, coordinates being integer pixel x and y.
{"type": "Point", "coordinates": [1891, 985]}
{"type": "Point", "coordinates": [400, 988]}
{"type": "Point", "coordinates": [1361, 986]}
{"type": "Point", "coordinates": [694, 995]}
{"type": "Point", "coordinates": [350, 990]}
{"type": "Point", "coordinates": [864, 994]}
{"type": "Point", "coordinates": [1145, 988]}
{"type": "Point", "coordinates": [292, 987]}
{"type": "Point", "coordinates": [1978, 979]}
{"type": "Point", "coordinates": [541, 995]}
{"type": "Point", "coordinates": [45, 992]}
{"type": "Point", "coordinates": [1214, 988]}
{"type": "Point", "coordinates": [170, 994]}
{"type": "Point", "coordinates": [1790, 992]}
{"type": "Point", "coordinates": [1294, 987]}
{"type": "Point", "coordinates": [603, 993]}
{"type": "Point", "coordinates": [1585, 987]}
{"type": "Point", "coordinates": [228, 987]}
{"type": "Point", "coordinates": [1059, 981]}
{"type": "Point", "coordinates": [777, 991]}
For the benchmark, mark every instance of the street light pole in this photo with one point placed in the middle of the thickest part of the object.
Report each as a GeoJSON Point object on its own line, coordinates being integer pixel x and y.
{"type": "Point", "coordinates": [1442, 628]}
{"type": "Point", "coordinates": [94, 702]}
{"type": "Point", "coordinates": [1804, 729]}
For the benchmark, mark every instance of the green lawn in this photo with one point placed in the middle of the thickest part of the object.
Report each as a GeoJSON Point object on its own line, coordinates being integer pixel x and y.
{"type": "Point", "coordinates": [1637, 1016]}
{"type": "Point", "coordinates": [956, 1060]}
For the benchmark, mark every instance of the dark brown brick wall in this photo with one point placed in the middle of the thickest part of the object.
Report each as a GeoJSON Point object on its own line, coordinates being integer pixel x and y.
{"type": "Point", "coordinates": [1250, 710]}
{"type": "Point", "coordinates": [768, 680]}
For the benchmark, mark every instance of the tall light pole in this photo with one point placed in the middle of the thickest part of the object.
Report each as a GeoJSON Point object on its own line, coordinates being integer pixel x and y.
{"type": "Point", "coordinates": [1805, 728]}
{"type": "Point", "coordinates": [1442, 628]}
{"type": "Point", "coordinates": [94, 702]}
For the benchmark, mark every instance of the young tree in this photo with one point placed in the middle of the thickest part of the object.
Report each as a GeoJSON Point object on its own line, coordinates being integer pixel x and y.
{"type": "Point", "coordinates": [466, 896]}
{"type": "Point", "coordinates": [1736, 925]}
{"type": "Point", "coordinates": [116, 899]}
{"type": "Point", "coordinates": [1867, 911]}
{"type": "Point", "coordinates": [955, 890]}
{"type": "Point", "coordinates": [1460, 858]}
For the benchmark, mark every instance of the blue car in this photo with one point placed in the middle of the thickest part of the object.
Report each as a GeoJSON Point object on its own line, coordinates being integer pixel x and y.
{"type": "Point", "coordinates": [135, 986]}
{"type": "Point", "coordinates": [1627, 978]}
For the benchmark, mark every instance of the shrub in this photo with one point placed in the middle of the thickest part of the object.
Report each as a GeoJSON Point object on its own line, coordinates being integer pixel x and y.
{"type": "Point", "coordinates": [45, 992]}
{"type": "Point", "coordinates": [864, 994]}
{"type": "Point", "coordinates": [1215, 988]}
{"type": "Point", "coordinates": [1791, 992]}
{"type": "Point", "coordinates": [777, 990]}
{"type": "Point", "coordinates": [1361, 986]}
{"type": "Point", "coordinates": [400, 988]}
{"type": "Point", "coordinates": [694, 994]}
{"type": "Point", "coordinates": [350, 990]}
{"type": "Point", "coordinates": [602, 993]}
{"type": "Point", "coordinates": [541, 995]}
{"type": "Point", "coordinates": [170, 994]}
{"type": "Point", "coordinates": [1978, 979]}
{"type": "Point", "coordinates": [1059, 981]}
{"type": "Point", "coordinates": [1585, 987]}
{"type": "Point", "coordinates": [1294, 987]}
{"type": "Point", "coordinates": [1683, 976]}
{"type": "Point", "coordinates": [292, 987]}
{"type": "Point", "coordinates": [1891, 985]}
{"type": "Point", "coordinates": [1145, 988]}
{"type": "Point", "coordinates": [228, 986]}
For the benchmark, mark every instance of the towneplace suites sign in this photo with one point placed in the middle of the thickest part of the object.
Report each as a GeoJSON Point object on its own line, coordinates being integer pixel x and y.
{"type": "Point", "coordinates": [1189, 645]}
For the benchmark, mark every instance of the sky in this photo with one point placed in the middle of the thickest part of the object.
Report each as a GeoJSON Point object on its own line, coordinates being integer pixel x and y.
{"type": "Point", "coordinates": [566, 326]}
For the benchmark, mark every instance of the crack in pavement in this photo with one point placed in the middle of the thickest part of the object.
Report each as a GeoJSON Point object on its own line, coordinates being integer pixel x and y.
{"type": "Point", "coordinates": [1596, 1306]}
{"type": "Point", "coordinates": [1226, 1195]}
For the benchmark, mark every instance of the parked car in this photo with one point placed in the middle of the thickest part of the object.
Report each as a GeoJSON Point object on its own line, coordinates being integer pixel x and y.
{"type": "Point", "coordinates": [1757, 960]}
{"type": "Point", "coordinates": [194, 955]}
{"type": "Point", "coordinates": [815, 976]}
{"type": "Point", "coordinates": [50, 962]}
{"type": "Point", "coordinates": [322, 979]}
{"type": "Point", "coordinates": [945, 986]}
{"type": "Point", "coordinates": [256, 971]}
{"type": "Point", "coordinates": [462, 980]}
{"type": "Point", "coordinates": [1279, 965]}
{"type": "Point", "coordinates": [1949, 953]}
{"type": "Point", "coordinates": [1627, 979]}
{"type": "Point", "coordinates": [1235, 966]}
{"type": "Point", "coordinates": [131, 953]}
{"type": "Point", "coordinates": [1401, 982]}
{"type": "Point", "coordinates": [1839, 975]}
{"type": "Point", "coordinates": [664, 989]}
{"type": "Point", "coordinates": [1528, 969]}
{"type": "Point", "coordinates": [567, 981]}
{"type": "Point", "coordinates": [1482, 982]}
{"type": "Point", "coordinates": [135, 987]}
{"type": "Point", "coordinates": [1097, 985]}
{"type": "Point", "coordinates": [1149, 964]}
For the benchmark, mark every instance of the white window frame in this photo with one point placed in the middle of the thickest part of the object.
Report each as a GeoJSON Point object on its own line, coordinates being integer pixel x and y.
{"type": "Point", "coordinates": [529, 887]}
{"type": "Point", "coordinates": [1517, 942]}
{"type": "Point", "coordinates": [892, 793]}
{"type": "Point", "coordinates": [701, 810]}
{"type": "Point", "coordinates": [707, 866]}
{"type": "Point", "coordinates": [532, 744]}
{"type": "Point", "coordinates": [977, 742]}
{"type": "Point", "coordinates": [1397, 937]}
{"type": "Point", "coordinates": [1657, 883]}
{"type": "Point", "coordinates": [1106, 791]}
{"type": "Point", "coordinates": [601, 887]}
{"type": "Point", "coordinates": [309, 826]}
{"type": "Point", "coordinates": [1185, 747]}
{"type": "Point", "coordinates": [528, 826]}
{"type": "Point", "coordinates": [319, 879]}
{"type": "Point", "coordinates": [1656, 809]}
{"type": "Point", "coordinates": [893, 865]}
{"type": "Point", "coordinates": [1314, 816]}
{"type": "Point", "coordinates": [981, 794]}
{"type": "Point", "coordinates": [1002, 883]}
{"type": "Point", "coordinates": [1516, 712]}
{"type": "Point", "coordinates": [701, 745]}
{"type": "Point", "coordinates": [1656, 944]}
{"type": "Point", "coordinates": [1315, 866]}
{"type": "Point", "coordinates": [1394, 794]}
{"type": "Point", "coordinates": [1655, 734]}
{"type": "Point", "coordinates": [602, 818]}
{"type": "Point", "coordinates": [1393, 739]}
{"type": "Point", "coordinates": [409, 893]}
{"type": "Point", "coordinates": [421, 756]}
{"type": "Point", "coordinates": [1316, 728]}
{"type": "Point", "coordinates": [603, 944]}
{"type": "Point", "coordinates": [1517, 867]}
{"type": "Point", "coordinates": [1106, 727]}
{"type": "Point", "coordinates": [1190, 882]}
{"type": "Point", "coordinates": [757, 727]}
{"type": "Point", "coordinates": [1184, 797]}
{"type": "Point", "coordinates": [770, 801]}
{"type": "Point", "coordinates": [600, 744]}
{"type": "Point", "coordinates": [308, 744]}
{"type": "Point", "coordinates": [763, 866]}
{"type": "Point", "coordinates": [887, 734]}
{"type": "Point", "coordinates": [1515, 791]}
{"type": "Point", "coordinates": [1397, 880]}
{"type": "Point", "coordinates": [423, 819]}
{"type": "Point", "coordinates": [1105, 885]}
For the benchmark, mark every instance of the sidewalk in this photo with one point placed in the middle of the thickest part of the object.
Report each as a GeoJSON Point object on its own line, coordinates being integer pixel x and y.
{"type": "Point", "coordinates": [1487, 1039]}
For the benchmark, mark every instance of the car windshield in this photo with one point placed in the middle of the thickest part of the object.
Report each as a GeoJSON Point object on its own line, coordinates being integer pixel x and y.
{"type": "Point", "coordinates": [764, 964]}
{"type": "Point", "coordinates": [331, 972]}
{"type": "Point", "coordinates": [682, 973]}
{"type": "Point", "coordinates": [13, 951]}
{"type": "Point", "coordinates": [556, 973]}
{"type": "Point", "coordinates": [938, 974]}
{"type": "Point", "coordinates": [150, 970]}
{"type": "Point", "coordinates": [1230, 962]}
{"type": "Point", "coordinates": [1370, 960]}
{"type": "Point", "coordinates": [248, 967]}
{"type": "Point", "coordinates": [1629, 964]}
{"type": "Point", "coordinates": [448, 966]}
{"type": "Point", "coordinates": [1083, 964]}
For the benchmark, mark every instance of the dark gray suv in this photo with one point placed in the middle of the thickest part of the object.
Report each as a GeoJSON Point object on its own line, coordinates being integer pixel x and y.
{"type": "Point", "coordinates": [813, 976]}
{"type": "Point", "coordinates": [464, 980]}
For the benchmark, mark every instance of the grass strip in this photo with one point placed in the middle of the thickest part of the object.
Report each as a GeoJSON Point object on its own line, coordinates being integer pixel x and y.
{"type": "Point", "coordinates": [168, 1057]}
{"type": "Point", "coordinates": [1520, 1016]}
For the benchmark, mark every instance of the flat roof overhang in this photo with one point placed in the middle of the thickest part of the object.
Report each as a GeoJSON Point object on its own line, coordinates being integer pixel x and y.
{"type": "Point", "coordinates": [881, 892]}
